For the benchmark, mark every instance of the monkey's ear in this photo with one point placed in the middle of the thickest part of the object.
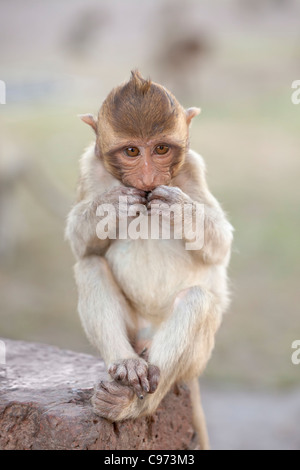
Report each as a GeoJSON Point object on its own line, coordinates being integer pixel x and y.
{"type": "Point", "coordinates": [191, 113]}
{"type": "Point", "coordinates": [90, 120]}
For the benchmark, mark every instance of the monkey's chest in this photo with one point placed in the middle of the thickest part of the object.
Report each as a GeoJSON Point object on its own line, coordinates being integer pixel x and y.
{"type": "Point", "coordinates": [150, 272]}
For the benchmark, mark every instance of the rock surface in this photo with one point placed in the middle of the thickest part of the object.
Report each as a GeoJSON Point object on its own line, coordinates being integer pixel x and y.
{"type": "Point", "coordinates": [45, 405]}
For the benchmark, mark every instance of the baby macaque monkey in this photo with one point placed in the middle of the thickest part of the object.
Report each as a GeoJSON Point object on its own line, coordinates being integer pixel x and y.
{"type": "Point", "coordinates": [142, 155]}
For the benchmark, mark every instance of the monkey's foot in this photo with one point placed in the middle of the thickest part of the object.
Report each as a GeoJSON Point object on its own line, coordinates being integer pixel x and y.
{"type": "Point", "coordinates": [112, 400]}
{"type": "Point", "coordinates": [137, 374]}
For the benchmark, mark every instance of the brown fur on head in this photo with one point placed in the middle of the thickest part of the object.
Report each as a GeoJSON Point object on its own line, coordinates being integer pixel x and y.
{"type": "Point", "coordinates": [139, 113]}
{"type": "Point", "coordinates": [140, 109]}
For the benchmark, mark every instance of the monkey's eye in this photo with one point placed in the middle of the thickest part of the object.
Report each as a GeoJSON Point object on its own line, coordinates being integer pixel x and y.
{"type": "Point", "coordinates": [161, 149]}
{"type": "Point", "coordinates": [132, 151]}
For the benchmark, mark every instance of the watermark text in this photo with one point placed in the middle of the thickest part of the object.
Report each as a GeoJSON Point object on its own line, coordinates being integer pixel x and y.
{"type": "Point", "coordinates": [296, 94]}
{"type": "Point", "coordinates": [296, 354]}
{"type": "Point", "coordinates": [2, 353]}
{"type": "Point", "coordinates": [2, 92]}
{"type": "Point", "coordinates": [163, 221]}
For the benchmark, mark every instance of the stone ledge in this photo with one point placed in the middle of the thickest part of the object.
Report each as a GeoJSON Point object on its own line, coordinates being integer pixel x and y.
{"type": "Point", "coordinates": [45, 405]}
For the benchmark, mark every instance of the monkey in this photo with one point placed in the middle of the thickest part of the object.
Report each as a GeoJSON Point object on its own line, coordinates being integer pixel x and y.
{"type": "Point", "coordinates": [142, 152]}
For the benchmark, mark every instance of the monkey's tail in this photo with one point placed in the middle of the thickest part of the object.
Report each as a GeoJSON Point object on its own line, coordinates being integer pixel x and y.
{"type": "Point", "coordinates": [199, 420]}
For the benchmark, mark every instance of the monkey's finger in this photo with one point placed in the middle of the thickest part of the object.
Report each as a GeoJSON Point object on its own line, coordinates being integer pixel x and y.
{"type": "Point", "coordinates": [142, 200]}
{"type": "Point", "coordinates": [106, 387]}
{"type": "Point", "coordinates": [134, 382]}
{"type": "Point", "coordinates": [120, 373]}
{"type": "Point", "coordinates": [135, 191]}
{"type": "Point", "coordinates": [145, 384]}
{"type": "Point", "coordinates": [153, 377]}
{"type": "Point", "coordinates": [157, 207]}
{"type": "Point", "coordinates": [112, 368]}
{"type": "Point", "coordinates": [103, 393]}
{"type": "Point", "coordinates": [144, 353]}
{"type": "Point", "coordinates": [142, 373]}
{"type": "Point", "coordinates": [157, 198]}
{"type": "Point", "coordinates": [136, 200]}
{"type": "Point", "coordinates": [154, 202]}
{"type": "Point", "coordinates": [114, 389]}
{"type": "Point", "coordinates": [140, 192]}
{"type": "Point", "coordinates": [159, 193]}
{"type": "Point", "coordinates": [104, 398]}
{"type": "Point", "coordinates": [102, 385]}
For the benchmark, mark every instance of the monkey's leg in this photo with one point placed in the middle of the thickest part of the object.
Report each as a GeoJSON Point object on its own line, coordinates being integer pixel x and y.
{"type": "Point", "coordinates": [106, 318]}
{"type": "Point", "coordinates": [103, 310]}
{"type": "Point", "coordinates": [182, 346]}
{"type": "Point", "coordinates": [199, 421]}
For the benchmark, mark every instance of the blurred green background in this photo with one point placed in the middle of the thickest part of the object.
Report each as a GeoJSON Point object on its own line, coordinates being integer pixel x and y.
{"type": "Point", "coordinates": [237, 61]}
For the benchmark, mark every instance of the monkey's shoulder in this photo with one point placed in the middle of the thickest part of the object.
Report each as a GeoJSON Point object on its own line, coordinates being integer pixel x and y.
{"type": "Point", "coordinates": [192, 173]}
{"type": "Point", "coordinates": [194, 162]}
{"type": "Point", "coordinates": [94, 178]}
{"type": "Point", "coordinates": [195, 159]}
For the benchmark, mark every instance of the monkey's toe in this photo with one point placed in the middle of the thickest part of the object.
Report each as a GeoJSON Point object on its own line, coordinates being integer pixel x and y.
{"type": "Point", "coordinates": [110, 399]}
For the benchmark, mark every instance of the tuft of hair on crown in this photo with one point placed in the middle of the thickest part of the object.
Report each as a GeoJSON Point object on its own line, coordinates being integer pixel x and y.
{"type": "Point", "coordinates": [140, 84]}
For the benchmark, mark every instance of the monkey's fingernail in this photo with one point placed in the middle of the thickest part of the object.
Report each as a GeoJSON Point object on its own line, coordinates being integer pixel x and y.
{"type": "Point", "coordinates": [143, 352]}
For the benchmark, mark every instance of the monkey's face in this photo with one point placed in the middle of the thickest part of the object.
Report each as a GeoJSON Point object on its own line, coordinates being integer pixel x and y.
{"type": "Point", "coordinates": [146, 164]}
{"type": "Point", "coordinates": [142, 133]}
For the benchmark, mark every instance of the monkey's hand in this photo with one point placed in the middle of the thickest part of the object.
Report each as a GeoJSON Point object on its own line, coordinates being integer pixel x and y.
{"type": "Point", "coordinates": [130, 196]}
{"type": "Point", "coordinates": [168, 194]}
{"type": "Point", "coordinates": [162, 197]}
{"type": "Point", "coordinates": [137, 374]}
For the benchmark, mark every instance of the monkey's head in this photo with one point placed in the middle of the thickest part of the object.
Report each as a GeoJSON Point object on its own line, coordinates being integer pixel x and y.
{"type": "Point", "coordinates": [142, 133]}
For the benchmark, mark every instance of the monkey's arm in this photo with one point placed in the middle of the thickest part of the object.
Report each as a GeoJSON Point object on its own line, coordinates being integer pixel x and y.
{"type": "Point", "coordinates": [216, 238]}
{"type": "Point", "coordinates": [218, 232]}
{"type": "Point", "coordinates": [81, 230]}
{"type": "Point", "coordinates": [82, 221]}
{"type": "Point", "coordinates": [190, 187]}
